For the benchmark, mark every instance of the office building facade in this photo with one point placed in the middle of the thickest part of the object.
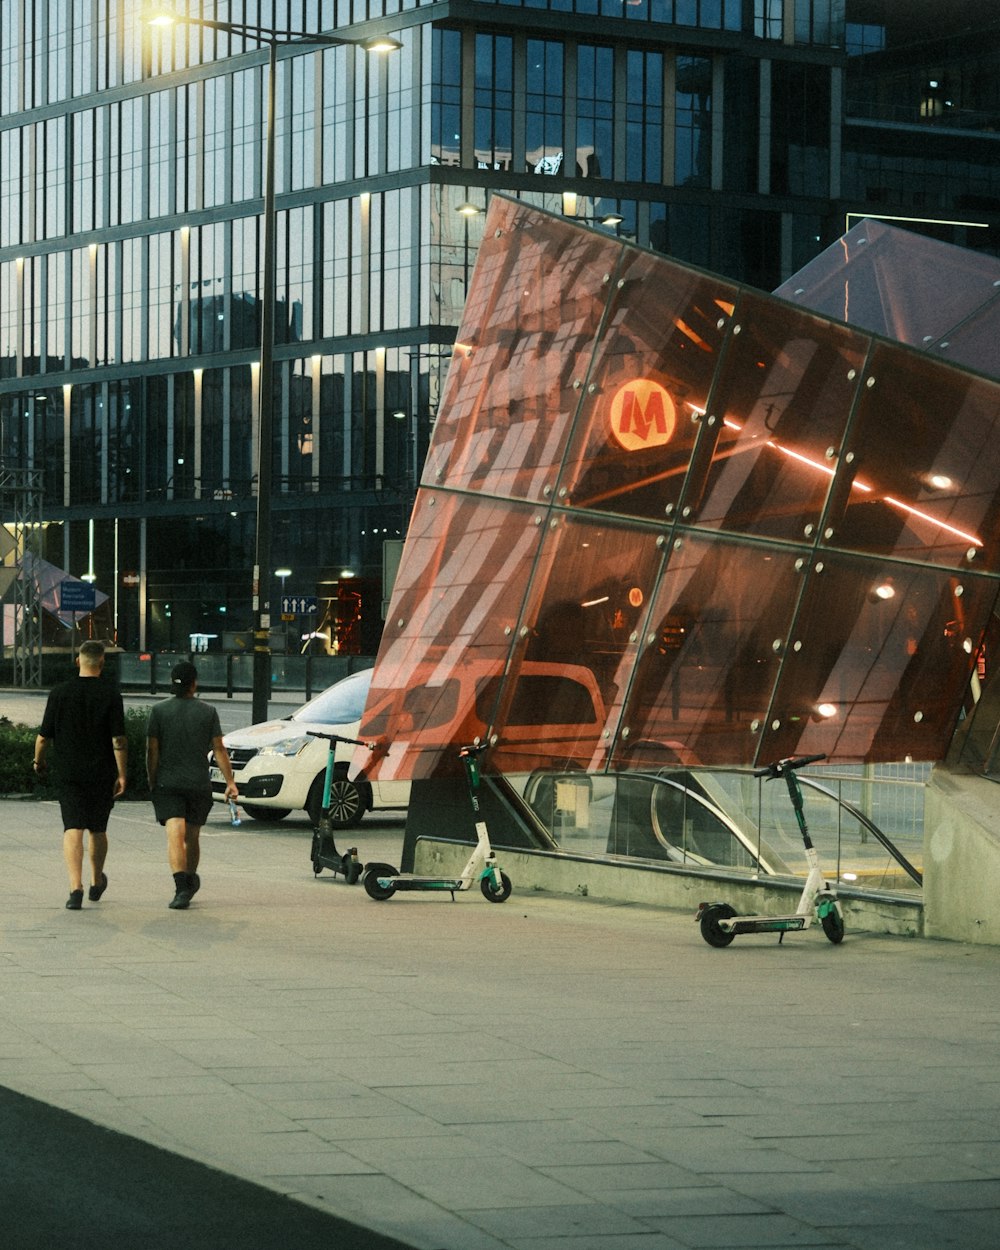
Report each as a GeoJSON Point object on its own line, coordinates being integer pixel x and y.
{"type": "Point", "coordinates": [737, 135]}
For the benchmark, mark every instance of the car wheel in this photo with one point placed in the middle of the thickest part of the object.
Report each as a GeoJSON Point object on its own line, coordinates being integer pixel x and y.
{"type": "Point", "coordinates": [348, 801]}
{"type": "Point", "coordinates": [265, 813]}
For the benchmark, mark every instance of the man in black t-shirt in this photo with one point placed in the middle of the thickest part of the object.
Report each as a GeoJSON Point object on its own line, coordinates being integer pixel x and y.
{"type": "Point", "coordinates": [85, 718]}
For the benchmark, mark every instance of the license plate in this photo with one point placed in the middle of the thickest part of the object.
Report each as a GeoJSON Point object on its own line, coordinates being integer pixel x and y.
{"type": "Point", "coordinates": [215, 774]}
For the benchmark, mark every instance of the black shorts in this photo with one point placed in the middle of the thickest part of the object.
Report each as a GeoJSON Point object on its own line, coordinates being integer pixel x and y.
{"type": "Point", "coordinates": [86, 807]}
{"type": "Point", "coordinates": [192, 806]}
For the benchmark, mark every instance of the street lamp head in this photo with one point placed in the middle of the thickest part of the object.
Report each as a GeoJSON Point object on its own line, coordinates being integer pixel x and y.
{"type": "Point", "coordinates": [381, 43]}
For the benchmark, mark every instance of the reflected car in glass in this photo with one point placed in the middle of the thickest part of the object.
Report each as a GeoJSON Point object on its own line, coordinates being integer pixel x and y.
{"type": "Point", "coordinates": [279, 768]}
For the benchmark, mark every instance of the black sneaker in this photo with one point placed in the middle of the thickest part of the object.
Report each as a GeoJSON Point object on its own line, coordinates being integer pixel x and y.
{"type": "Point", "coordinates": [95, 891]}
{"type": "Point", "coordinates": [75, 900]}
{"type": "Point", "coordinates": [180, 900]}
{"type": "Point", "coordinates": [194, 884]}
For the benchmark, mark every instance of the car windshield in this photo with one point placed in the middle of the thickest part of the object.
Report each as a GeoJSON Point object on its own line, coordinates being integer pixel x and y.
{"type": "Point", "coordinates": [342, 704]}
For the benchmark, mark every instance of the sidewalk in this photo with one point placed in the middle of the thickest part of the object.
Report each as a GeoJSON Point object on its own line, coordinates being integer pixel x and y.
{"type": "Point", "coordinates": [549, 1074]}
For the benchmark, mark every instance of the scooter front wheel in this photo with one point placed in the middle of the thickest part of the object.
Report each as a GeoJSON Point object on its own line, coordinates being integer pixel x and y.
{"type": "Point", "coordinates": [833, 925]}
{"type": "Point", "coordinates": [490, 891]}
{"type": "Point", "coordinates": [371, 883]}
{"type": "Point", "coordinates": [710, 929]}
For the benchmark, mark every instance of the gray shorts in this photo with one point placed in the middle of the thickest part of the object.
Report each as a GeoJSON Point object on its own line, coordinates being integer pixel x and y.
{"type": "Point", "coordinates": [193, 806]}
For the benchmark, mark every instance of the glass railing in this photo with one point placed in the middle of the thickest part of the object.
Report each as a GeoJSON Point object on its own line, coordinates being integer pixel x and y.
{"type": "Point", "coordinates": [866, 824]}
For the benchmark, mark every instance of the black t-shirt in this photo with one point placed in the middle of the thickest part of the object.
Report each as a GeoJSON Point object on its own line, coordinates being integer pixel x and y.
{"type": "Point", "coordinates": [81, 717]}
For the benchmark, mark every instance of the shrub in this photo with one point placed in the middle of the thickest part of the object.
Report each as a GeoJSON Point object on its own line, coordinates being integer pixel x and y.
{"type": "Point", "coordinates": [17, 752]}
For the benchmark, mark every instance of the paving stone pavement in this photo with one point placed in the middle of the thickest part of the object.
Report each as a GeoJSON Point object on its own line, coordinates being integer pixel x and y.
{"type": "Point", "coordinates": [550, 1074]}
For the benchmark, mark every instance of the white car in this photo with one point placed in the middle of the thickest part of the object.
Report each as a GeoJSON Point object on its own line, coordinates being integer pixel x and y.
{"type": "Point", "coordinates": [279, 768]}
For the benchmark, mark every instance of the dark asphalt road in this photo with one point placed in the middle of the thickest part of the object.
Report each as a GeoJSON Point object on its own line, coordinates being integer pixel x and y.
{"type": "Point", "coordinates": [66, 1182]}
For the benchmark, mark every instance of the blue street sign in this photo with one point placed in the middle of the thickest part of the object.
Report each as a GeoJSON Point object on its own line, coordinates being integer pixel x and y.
{"type": "Point", "coordinates": [298, 605]}
{"type": "Point", "coordinates": [77, 597]}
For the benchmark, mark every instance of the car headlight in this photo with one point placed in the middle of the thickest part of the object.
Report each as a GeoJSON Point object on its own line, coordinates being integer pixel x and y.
{"type": "Point", "coordinates": [286, 746]}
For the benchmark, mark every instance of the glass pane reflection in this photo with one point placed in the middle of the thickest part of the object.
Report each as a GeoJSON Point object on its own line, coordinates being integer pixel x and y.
{"type": "Point", "coordinates": [791, 545]}
{"type": "Point", "coordinates": [705, 676]}
{"type": "Point", "coordinates": [525, 341]}
{"type": "Point", "coordinates": [923, 489]}
{"type": "Point", "coordinates": [652, 375]}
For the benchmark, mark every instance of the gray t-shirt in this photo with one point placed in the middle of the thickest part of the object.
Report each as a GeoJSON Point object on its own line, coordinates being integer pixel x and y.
{"type": "Point", "coordinates": [184, 729]}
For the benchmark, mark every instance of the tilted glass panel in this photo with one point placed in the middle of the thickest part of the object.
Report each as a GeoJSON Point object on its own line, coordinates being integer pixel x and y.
{"type": "Point", "coordinates": [896, 283]}
{"type": "Point", "coordinates": [974, 342]}
{"type": "Point", "coordinates": [709, 660]}
{"type": "Point", "coordinates": [588, 598]}
{"type": "Point", "coordinates": [529, 326]}
{"type": "Point", "coordinates": [876, 662]}
{"type": "Point", "coordinates": [718, 600]}
{"type": "Point", "coordinates": [777, 414]}
{"type": "Point", "coordinates": [652, 374]}
{"type": "Point", "coordinates": [455, 607]}
{"type": "Point", "coordinates": [923, 483]}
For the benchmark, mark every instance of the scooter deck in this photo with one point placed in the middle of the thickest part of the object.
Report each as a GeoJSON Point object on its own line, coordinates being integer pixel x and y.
{"type": "Point", "coordinates": [427, 883]}
{"type": "Point", "coordinates": [764, 924]}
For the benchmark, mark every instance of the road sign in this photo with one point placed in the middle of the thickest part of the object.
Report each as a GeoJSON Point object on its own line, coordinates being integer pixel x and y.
{"type": "Point", "coordinates": [298, 605]}
{"type": "Point", "coordinates": [77, 597]}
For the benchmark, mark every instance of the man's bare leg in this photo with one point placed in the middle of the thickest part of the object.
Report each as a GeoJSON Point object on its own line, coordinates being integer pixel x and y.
{"type": "Point", "coordinates": [73, 854]}
{"type": "Point", "coordinates": [184, 853]}
{"type": "Point", "coordinates": [98, 854]}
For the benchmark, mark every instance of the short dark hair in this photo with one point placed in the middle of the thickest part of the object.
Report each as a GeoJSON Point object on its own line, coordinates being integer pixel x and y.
{"type": "Point", "coordinates": [183, 676]}
{"type": "Point", "coordinates": [92, 651]}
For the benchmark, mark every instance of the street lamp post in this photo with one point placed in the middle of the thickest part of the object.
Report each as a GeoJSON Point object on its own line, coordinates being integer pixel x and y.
{"type": "Point", "coordinates": [261, 585]}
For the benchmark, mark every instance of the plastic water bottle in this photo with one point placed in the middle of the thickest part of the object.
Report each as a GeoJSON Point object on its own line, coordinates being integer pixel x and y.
{"type": "Point", "coordinates": [234, 813]}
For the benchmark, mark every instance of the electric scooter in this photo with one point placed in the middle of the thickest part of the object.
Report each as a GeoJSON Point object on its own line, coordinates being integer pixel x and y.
{"type": "Point", "coordinates": [720, 923]}
{"type": "Point", "coordinates": [324, 849]}
{"type": "Point", "coordinates": [381, 881]}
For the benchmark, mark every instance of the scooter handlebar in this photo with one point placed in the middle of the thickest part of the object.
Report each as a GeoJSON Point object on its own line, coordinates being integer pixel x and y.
{"type": "Point", "coordinates": [780, 767]}
{"type": "Point", "coordinates": [315, 733]}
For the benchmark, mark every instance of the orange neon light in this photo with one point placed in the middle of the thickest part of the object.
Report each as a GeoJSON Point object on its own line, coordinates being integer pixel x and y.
{"type": "Point", "coordinates": [891, 500]}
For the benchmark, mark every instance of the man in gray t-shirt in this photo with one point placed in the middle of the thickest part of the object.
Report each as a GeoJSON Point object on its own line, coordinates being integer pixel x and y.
{"type": "Point", "coordinates": [180, 733]}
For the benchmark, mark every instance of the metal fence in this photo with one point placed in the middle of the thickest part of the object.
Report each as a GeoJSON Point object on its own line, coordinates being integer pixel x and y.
{"type": "Point", "coordinates": [233, 673]}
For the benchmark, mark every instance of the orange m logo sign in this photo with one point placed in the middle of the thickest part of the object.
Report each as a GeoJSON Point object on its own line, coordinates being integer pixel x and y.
{"type": "Point", "coordinates": [642, 415]}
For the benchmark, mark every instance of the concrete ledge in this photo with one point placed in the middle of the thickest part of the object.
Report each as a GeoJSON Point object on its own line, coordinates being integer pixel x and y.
{"type": "Point", "coordinates": [962, 857]}
{"type": "Point", "coordinates": [660, 885]}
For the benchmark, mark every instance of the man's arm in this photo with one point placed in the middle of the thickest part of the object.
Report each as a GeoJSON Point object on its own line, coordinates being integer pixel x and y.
{"type": "Point", "coordinates": [120, 744]}
{"type": "Point", "coordinates": [41, 748]}
{"type": "Point", "coordinates": [152, 760]}
{"type": "Point", "coordinates": [226, 767]}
